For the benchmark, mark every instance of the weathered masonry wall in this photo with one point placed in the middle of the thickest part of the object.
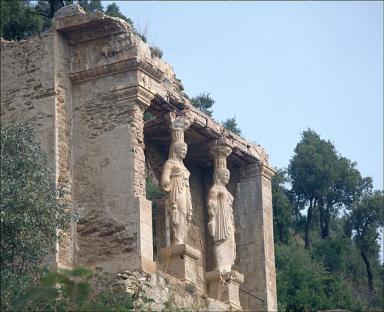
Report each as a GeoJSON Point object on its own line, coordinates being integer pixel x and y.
{"type": "Point", "coordinates": [85, 85]}
{"type": "Point", "coordinates": [28, 89]}
{"type": "Point", "coordinates": [103, 193]}
{"type": "Point", "coordinates": [63, 132]}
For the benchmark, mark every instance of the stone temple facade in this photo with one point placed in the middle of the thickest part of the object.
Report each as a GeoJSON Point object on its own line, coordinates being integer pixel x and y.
{"type": "Point", "coordinates": [86, 85]}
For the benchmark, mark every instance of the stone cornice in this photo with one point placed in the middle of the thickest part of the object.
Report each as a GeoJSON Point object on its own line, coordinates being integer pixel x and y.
{"type": "Point", "coordinates": [82, 27]}
{"type": "Point", "coordinates": [130, 64]}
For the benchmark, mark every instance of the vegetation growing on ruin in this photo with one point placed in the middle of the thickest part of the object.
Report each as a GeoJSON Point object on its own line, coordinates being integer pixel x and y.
{"type": "Point", "coordinates": [24, 18]}
{"type": "Point", "coordinates": [204, 103]}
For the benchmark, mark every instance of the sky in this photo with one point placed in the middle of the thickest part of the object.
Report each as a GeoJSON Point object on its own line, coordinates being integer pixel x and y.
{"type": "Point", "coordinates": [280, 68]}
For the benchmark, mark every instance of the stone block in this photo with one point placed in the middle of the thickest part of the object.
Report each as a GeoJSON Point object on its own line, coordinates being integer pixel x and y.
{"type": "Point", "coordinates": [181, 261]}
{"type": "Point", "coordinates": [225, 287]}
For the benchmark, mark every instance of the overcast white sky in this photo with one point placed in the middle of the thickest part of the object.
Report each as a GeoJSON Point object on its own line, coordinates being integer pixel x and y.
{"type": "Point", "coordinates": [280, 68]}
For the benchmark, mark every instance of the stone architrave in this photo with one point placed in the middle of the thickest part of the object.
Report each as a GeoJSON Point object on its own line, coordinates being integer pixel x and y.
{"type": "Point", "coordinates": [223, 282]}
{"type": "Point", "coordinates": [175, 181]}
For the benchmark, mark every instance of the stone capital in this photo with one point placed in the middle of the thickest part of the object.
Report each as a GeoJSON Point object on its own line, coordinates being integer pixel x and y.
{"type": "Point", "coordinates": [178, 125]}
{"type": "Point", "coordinates": [257, 169]}
{"type": "Point", "coordinates": [221, 147]}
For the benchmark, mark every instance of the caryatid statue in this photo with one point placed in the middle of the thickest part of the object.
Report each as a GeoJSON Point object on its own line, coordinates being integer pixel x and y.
{"type": "Point", "coordinates": [175, 181]}
{"type": "Point", "coordinates": [221, 224]}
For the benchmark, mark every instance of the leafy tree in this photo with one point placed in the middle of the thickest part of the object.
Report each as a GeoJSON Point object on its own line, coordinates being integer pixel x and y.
{"type": "Point", "coordinates": [345, 187]}
{"type": "Point", "coordinates": [311, 174]}
{"type": "Point", "coordinates": [18, 20]}
{"type": "Point", "coordinates": [203, 102]}
{"type": "Point", "coordinates": [282, 208]}
{"type": "Point", "coordinates": [322, 179]}
{"type": "Point", "coordinates": [31, 210]}
{"type": "Point", "coordinates": [91, 5]}
{"type": "Point", "coordinates": [114, 11]}
{"type": "Point", "coordinates": [231, 124]}
{"type": "Point", "coordinates": [23, 18]}
{"type": "Point", "coordinates": [364, 222]}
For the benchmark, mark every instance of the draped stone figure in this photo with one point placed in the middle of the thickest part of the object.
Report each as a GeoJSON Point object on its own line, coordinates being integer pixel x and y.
{"type": "Point", "coordinates": [221, 225]}
{"type": "Point", "coordinates": [175, 182]}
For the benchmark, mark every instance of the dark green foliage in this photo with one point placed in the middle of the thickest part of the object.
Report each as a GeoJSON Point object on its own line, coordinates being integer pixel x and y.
{"type": "Point", "coordinates": [231, 124]}
{"type": "Point", "coordinates": [310, 173]}
{"type": "Point", "coordinates": [333, 253]}
{"type": "Point", "coordinates": [364, 223]}
{"type": "Point", "coordinates": [334, 208]}
{"type": "Point", "coordinates": [31, 210]}
{"type": "Point", "coordinates": [156, 52]}
{"type": "Point", "coordinates": [203, 102]}
{"type": "Point", "coordinates": [304, 285]}
{"type": "Point", "coordinates": [153, 190]}
{"type": "Point", "coordinates": [283, 212]}
{"type": "Point", "coordinates": [114, 11]}
{"type": "Point", "coordinates": [323, 180]}
{"type": "Point", "coordinates": [91, 5]}
{"type": "Point", "coordinates": [19, 20]}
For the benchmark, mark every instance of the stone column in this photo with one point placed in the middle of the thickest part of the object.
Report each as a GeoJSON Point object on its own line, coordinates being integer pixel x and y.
{"type": "Point", "coordinates": [255, 238]}
{"type": "Point", "coordinates": [142, 206]}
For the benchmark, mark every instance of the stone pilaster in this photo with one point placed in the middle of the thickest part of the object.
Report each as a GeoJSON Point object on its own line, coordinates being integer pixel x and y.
{"type": "Point", "coordinates": [143, 207]}
{"type": "Point", "coordinates": [255, 233]}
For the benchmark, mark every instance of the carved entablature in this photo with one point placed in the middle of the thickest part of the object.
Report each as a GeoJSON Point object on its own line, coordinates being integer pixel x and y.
{"type": "Point", "coordinates": [136, 92]}
{"type": "Point", "coordinates": [103, 51]}
{"type": "Point", "coordinates": [257, 169]}
{"type": "Point", "coordinates": [130, 64]}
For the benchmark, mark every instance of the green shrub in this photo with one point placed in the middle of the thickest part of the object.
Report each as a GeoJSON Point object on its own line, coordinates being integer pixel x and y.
{"type": "Point", "coordinates": [31, 208]}
{"type": "Point", "coordinates": [156, 52]}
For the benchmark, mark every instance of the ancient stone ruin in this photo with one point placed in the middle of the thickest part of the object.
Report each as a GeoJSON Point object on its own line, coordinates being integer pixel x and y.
{"type": "Point", "coordinates": [110, 115]}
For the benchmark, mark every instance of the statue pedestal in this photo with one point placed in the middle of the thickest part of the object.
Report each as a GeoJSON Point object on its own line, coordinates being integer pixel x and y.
{"type": "Point", "coordinates": [180, 262]}
{"type": "Point", "coordinates": [225, 287]}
